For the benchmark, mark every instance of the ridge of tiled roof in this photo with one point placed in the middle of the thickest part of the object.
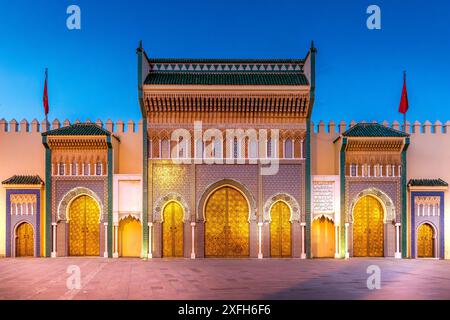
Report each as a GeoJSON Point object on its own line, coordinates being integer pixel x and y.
{"type": "Point", "coordinates": [24, 179]}
{"type": "Point", "coordinates": [373, 130]}
{"type": "Point", "coordinates": [427, 183]}
{"type": "Point", "coordinates": [79, 129]}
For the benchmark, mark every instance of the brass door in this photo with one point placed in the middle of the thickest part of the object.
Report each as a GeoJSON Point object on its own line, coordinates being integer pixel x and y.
{"type": "Point", "coordinates": [25, 240]}
{"type": "Point", "coordinates": [425, 241]}
{"type": "Point", "coordinates": [130, 237]}
{"type": "Point", "coordinates": [368, 228]}
{"type": "Point", "coordinates": [323, 241]}
{"type": "Point", "coordinates": [172, 230]}
{"type": "Point", "coordinates": [84, 227]}
{"type": "Point", "coordinates": [280, 230]}
{"type": "Point", "coordinates": [226, 224]}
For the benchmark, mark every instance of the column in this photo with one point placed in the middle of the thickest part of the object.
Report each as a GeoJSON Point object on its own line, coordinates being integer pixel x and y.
{"type": "Point", "coordinates": [53, 255]}
{"type": "Point", "coordinates": [336, 242]}
{"type": "Point", "coordinates": [347, 254]}
{"type": "Point", "coordinates": [398, 254]}
{"type": "Point", "coordinates": [301, 149]}
{"type": "Point", "coordinates": [193, 240]}
{"type": "Point", "coordinates": [105, 253]}
{"type": "Point", "coordinates": [303, 255]}
{"type": "Point", "coordinates": [260, 255]}
{"type": "Point", "coordinates": [150, 242]}
{"type": "Point", "coordinates": [116, 238]}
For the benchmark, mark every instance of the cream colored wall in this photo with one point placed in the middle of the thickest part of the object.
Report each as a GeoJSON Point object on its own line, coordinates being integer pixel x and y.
{"type": "Point", "coordinates": [129, 154]}
{"type": "Point", "coordinates": [429, 157]}
{"type": "Point", "coordinates": [323, 150]}
{"type": "Point", "coordinates": [20, 153]}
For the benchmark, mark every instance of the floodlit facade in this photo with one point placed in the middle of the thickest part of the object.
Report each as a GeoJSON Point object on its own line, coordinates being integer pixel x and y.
{"type": "Point", "coordinates": [226, 163]}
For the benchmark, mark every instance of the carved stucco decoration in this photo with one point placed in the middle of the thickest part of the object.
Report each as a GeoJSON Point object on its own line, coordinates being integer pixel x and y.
{"type": "Point", "coordinates": [385, 200]}
{"type": "Point", "coordinates": [289, 200]}
{"type": "Point", "coordinates": [163, 200]}
{"type": "Point", "coordinates": [64, 204]}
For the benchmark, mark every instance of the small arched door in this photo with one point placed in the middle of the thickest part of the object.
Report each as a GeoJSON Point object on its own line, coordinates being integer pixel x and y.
{"type": "Point", "coordinates": [323, 241]}
{"type": "Point", "coordinates": [172, 230]}
{"type": "Point", "coordinates": [280, 230]}
{"type": "Point", "coordinates": [25, 240]}
{"type": "Point", "coordinates": [368, 228]}
{"type": "Point", "coordinates": [84, 227]}
{"type": "Point", "coordinates": [425, 241]}
{"type": "Point", "coordinates": [130, 237]}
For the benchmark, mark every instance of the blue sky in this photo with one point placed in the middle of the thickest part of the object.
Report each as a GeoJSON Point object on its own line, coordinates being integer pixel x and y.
{"type": "Point", "coordinates": [92, 71]}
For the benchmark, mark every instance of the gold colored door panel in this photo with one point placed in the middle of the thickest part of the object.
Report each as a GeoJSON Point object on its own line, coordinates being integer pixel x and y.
{"type": "Point", "coordinates": [368, 228]}
{"type": "Point", "coordinates": [323, 238]}
{"type": "Point", "coordinates": [130, 237]}
{"type": "Point", "coordinates": [25, 240]}
{"type": "Point", "coordinates": [425, 241]}
{"type": "Point", "coordinates": [280, 230]}
{"type": "Point", "coordinates": [226, 227]}
{"type": "Point", "coordinates": [172, 229]}
{"type": "Point", "coordinates": [84, 227]}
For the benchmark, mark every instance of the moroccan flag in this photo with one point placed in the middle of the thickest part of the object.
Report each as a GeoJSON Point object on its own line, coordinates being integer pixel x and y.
{"type": "Point", "coordinates": [403, 107]}
{"type": "Point", "coordinates": [45, 97]}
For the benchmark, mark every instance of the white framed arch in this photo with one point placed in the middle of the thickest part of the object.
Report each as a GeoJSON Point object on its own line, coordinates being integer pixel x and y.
{"type": "Point", "coordinates": [385, 201]}
{"type": "Point", "coordinates": [324, 215]}
{"type": "Point", "coordinates": [162, 201]}
{"type": "Point", "coordinates": [69, 197]}
{"type": "Point", "coordinates": [286, 198]}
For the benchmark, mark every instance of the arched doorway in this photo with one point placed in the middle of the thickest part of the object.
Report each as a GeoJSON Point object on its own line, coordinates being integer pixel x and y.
{"type": "Point", "coordinates": [24, 240]}
{"type": "Point", "coordinates": [227, 229]}
{"type": "Point", "coordinates": [368, 228]}
{"type": "Point", "coordinates": [425, 241]}
{"type": "Point", "coordinates": [323, 241]}
{"type": "Point", "coordinates": [172, 230]}
{"type": "Point", "coordinates": [130, 237]}
{"type": "Point", "coordinates": [280, 230]}
{"type": "Point", "coordinates": [84, 227]}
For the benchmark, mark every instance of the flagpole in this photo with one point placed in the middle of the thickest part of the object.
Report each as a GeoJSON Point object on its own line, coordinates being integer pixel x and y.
{"type": "Point", "coordinates": [47, 124]}
{"type": "Point", "coordinates": [404, 115]}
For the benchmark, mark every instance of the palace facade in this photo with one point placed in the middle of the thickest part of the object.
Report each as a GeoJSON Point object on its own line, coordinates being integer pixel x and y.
{"type": "Point", "coordinates": [225, 162]}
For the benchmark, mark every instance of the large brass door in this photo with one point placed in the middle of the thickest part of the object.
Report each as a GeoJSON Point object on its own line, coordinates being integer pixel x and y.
{"type": "Point", "coordinates": [280, 230]}
{"type": "Point", "coordinates": [84, 227]}
{"type": "Point", "coordinates": [25, 240]}
{"type": "Point", "coordinates": [226, 224]}
{"type": "Point", "coordinates": [323, 241]}
{"type": "Point", "coordinates": [130, 237]}
{"type": "Point", "coordinates": [368, 228]}
{"type": "Point", "coordinates": [172, 230]}
{"type": "Point", "coordinates": [425, 241]}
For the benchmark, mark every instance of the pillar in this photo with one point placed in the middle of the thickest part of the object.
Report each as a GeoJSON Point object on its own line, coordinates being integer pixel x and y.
{"type": "Point", "coordinates": [347, 254]}
{"type": "Point", "coordinates": [116, 238]}
{"type": "Point", "coordinates": [398, 254]}
{"type": "Point", "coordinates": [150, 242]}
{"type": "Point", "coordinates": [336, 242]}
{"type": "Point", "coordinates": [193, 240]}
{"type": "Point", "coordinates": [260, 255]}
{"type": "Point", "coordinates": [53, 255]}
{"type": "Point", "coordinates": [303, 255]}
{"type": "Point", "coordinates": [105, 252]}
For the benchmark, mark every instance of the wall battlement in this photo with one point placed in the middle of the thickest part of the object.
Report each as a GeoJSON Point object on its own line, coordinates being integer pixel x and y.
{"type": "Point", "coordinates": [119, 127]}
{"type": "Point", "coordinates": [415, 128]}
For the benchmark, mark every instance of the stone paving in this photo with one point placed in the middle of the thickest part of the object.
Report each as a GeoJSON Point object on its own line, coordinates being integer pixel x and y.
{"type": "Point", "coordinates": [32, 278]}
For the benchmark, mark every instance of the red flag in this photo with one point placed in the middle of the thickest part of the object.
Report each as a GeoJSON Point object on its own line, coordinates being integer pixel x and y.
{"type": "Point", "coordinates": [403, 107]}
{"type": "Point", "coordinates": [45, 97]}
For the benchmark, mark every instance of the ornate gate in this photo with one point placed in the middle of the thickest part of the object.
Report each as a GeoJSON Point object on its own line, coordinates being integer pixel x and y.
{"type": "Point", "coordinates": [368, 228]}
{"type": "Point", "coordinates": [227, 229]}
{"type": "Point", "coordinates": [425, 241]}
{"type": "Point", "coordinates": [280, 230]}
{"type": "Point", "coordinates": [130, 237]}
{"type": "Point", "coordinates": [172, 226]}
{"type": "Point", "coordinates": [84, 227]}
{"type": "Point", "coordinates": [25, 240]}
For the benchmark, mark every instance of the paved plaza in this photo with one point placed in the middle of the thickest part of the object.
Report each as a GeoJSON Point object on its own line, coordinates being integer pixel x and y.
{"type": "Point", "coordinates": [32, 278]}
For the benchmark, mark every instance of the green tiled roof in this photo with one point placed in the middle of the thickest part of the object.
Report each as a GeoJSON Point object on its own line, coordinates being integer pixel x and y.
{"type": "Point", "coordinates": [17, 179]}
{"type": "Point", "coordinates": [79, 129]}
{"type": "Point", "coordinates": [218, 60]}
{"type": "Point", "coordinates": [224, 78]}
{"type": "Point", "coordinates": [427, 183]}
{"type": "Point", "coordinates": [373, 130]}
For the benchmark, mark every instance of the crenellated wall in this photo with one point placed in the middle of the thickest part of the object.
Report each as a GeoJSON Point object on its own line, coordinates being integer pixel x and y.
{"type": "Point", "coordinates": [22, 152]}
